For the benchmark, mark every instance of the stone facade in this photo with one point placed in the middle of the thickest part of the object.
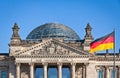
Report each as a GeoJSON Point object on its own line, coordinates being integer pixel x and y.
{"type": "Point", "coordinates": [25, 55]}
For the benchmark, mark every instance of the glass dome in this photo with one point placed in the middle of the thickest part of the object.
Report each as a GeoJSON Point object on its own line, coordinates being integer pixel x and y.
{"type": "Point", "coordinates": [53, 30]}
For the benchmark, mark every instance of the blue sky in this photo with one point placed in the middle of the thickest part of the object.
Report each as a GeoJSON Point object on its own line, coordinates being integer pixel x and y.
{"type": "Point", "coordinates": [103, 16]}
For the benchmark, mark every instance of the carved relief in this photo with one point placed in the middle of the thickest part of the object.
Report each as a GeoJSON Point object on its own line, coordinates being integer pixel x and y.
{"type": "Point", "coordinates": [51, 49]}
{"type": "Point", "coordinates": [25, 71]}
{"type": "Point", "coordinates": [78, 71]}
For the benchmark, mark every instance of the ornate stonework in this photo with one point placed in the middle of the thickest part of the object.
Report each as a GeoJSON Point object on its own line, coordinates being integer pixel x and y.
{"type": "Point", "coordinates": [25, 71]}
{"type": "Point", "coordinates": [57, 50]}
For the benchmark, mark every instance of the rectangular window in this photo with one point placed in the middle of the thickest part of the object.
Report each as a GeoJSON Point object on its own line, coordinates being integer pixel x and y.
{"type": "Point", "coordinates": [113, 73]}
{"type": "Point", "coordinates": [100, 74]}
{"type": "Point", "coordinates": [3, 74]}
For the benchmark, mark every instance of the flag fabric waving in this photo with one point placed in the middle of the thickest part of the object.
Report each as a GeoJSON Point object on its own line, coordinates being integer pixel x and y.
{"type": "Point", "coordinates": [103, 43]}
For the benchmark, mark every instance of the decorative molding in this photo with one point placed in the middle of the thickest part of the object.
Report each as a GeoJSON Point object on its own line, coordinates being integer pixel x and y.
{"type": "Point", "coordinates": [73, 64]}
{"type": "Point", "coordinates": [31, 64]}
{"type": "Point", "coordinates": [86, 64]}
{"type": "Point", "coordinates": [50, 47]}
{"type": "Point", "coordinates": [18, 64]}
{"type": "Point", "coordinates": [44, 63]}
{"type": "Point", "coordinates": [53, 56]}
{"type": "Point", "coordinates": [59, 63]}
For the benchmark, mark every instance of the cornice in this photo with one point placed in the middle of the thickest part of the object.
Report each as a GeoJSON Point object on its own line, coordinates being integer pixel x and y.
{"type": "Point", "coordinates": [56, 42]}
{"type": "Point", "coordinates": [103, 58]}
{"type": "Point", "coordinates": [52, 56]}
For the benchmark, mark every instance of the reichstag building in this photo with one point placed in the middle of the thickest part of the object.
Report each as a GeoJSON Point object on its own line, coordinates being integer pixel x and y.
{"type": "Point", "coordinates": [54, 50]}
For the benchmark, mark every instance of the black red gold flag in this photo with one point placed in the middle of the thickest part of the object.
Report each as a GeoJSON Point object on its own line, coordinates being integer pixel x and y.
{"type": "Point", "coordinates": [103, 43]}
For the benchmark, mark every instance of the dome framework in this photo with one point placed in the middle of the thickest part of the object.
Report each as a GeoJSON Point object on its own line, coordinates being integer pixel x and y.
{"type": "Point", "coordinates": [53, 30]}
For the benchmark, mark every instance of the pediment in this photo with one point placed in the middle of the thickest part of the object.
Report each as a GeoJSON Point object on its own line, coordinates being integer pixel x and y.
{"type": "Point", "coordinates": [51, 47]}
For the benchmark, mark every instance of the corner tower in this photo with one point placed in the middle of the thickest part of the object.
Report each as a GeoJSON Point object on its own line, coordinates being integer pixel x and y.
{"type": "Point", "coordinates": [88, 38]}
{"type": "Point", "coordinates": [15, 39]}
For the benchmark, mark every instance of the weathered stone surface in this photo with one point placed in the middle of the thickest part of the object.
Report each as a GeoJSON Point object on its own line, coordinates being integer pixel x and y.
{"type": "Point", "coordinates": [25, 55]}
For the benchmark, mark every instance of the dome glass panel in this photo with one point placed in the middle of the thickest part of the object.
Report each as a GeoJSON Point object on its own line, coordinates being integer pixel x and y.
{"type": "Point", "coordinates": [53, 30]}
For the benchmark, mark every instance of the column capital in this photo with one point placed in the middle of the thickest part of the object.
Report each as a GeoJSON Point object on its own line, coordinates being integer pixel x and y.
{"type": "Point", "coordinates": [97, 68]}
{"type": "Point", "coordinates": [119, 67]}
{"type": "Point", "coordinates": [31, 64]}
{"type": "Point", "coordinates": [45, 64]}
{"type": "Point", "coordinates": [18, 64]}
{"type": "Point", "coordinates": [73, 64]}
{"type": "Point", "coordinates": [102, 67]}
{"type": "Point", "coordinates": [85, 64]}
{"type": "Point", "coordinates": [59, 64]}
{"type": "Point", "coordinates": [107, 67]}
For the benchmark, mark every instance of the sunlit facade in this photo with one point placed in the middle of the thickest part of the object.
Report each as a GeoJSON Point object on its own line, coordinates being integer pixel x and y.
{"type": "Point", "coordinates": [53, 50]}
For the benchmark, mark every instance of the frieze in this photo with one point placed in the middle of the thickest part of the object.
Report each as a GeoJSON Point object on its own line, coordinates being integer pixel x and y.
{"type": "Point", "coordinates": [51, 60]}
{"type": "Point", "coordinates": [38, 60]}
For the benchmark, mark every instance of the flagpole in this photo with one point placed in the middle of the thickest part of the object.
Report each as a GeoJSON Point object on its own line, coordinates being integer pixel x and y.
{"type": "Point", "coordinates": [114, 68]}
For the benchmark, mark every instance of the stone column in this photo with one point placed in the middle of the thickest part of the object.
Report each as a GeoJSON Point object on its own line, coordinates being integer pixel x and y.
{"type": "Point", "coordinates": [0, 71]}
{"type": "Point", "coordinates": [107, 72]}
{"type": "Point", "coordinates": [84, 71]}
{"type": "Point", "coordinates": [59, 70]}
{"type": "Point", "coordinates": [118, 71]}
{"type": "Point", "coordinates": [31, 70]}
{"type": "Point", "coordinates": [18, 70]}
{"type": "Point", "coordinates": [45, 69]}
{"type": "Point", "coordinates": [73, 69]}
{"type": "Point", "coordinates": [97, 71]}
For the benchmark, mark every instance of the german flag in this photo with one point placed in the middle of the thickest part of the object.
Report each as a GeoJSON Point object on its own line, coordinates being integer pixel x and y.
{"type": "Point", "coordinates": [103, 43]}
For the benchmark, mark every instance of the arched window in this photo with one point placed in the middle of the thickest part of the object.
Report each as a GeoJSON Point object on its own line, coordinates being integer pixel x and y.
{"type": "Point", "coordinates": [3, 74]}
{"type": "Point", "coordinates": [100, 74]}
